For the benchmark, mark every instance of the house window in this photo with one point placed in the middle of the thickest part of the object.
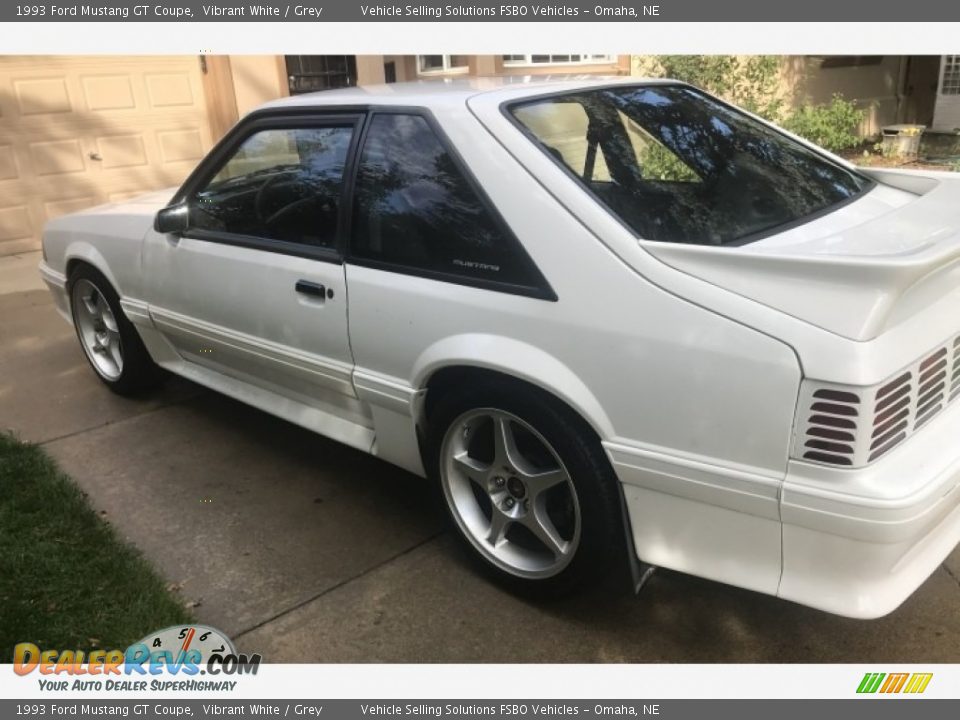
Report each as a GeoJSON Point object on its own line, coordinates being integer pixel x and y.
{"type": "Point", "coordinates": [309, 73]}
{"type": "Point", "coordinates": [428, 64]}
{"type": "Point", "coordinates": [580, 59]}
{"type": "Point", "coordinates": [951, 75]}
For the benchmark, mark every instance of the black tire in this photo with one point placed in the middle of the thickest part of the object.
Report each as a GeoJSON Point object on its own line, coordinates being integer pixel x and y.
{"type": "Point", "coordinates": [139, 373]}
{"type": "Point", "coordinates": [601, 537]}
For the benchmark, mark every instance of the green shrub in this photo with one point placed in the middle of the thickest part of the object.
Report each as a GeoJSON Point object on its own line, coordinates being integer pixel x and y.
{"type": "Point", "coordinates": [833, 126]}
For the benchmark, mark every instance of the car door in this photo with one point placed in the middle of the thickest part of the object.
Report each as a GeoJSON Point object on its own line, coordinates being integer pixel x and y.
{"type": "Point", "coordinates": [254, 288]}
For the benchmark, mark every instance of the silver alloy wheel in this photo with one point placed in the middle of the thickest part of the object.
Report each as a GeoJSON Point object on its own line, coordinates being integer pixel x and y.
{"type": "Point", "coordinates": [98, 329]}
{"type": "Point", "coordinates": [510, 493]}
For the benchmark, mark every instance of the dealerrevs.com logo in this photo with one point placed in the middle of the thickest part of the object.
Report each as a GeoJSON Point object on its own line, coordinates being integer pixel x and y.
{"type": "Point", "coordinates": [169, 659]}
{"type": "Point", "coordinates": [892, 683]}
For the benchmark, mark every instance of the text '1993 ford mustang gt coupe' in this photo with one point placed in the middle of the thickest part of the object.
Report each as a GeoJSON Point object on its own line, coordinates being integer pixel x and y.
{"type": "Point", "coordinates": [597, 312]}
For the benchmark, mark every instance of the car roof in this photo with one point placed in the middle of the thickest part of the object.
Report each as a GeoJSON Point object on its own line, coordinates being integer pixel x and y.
{"type": "Point", "coordinates": [435, 93]}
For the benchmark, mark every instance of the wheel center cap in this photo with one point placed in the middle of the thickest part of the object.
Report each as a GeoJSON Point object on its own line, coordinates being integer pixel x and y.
{"type": "Point", "coordinates": [516, 487]}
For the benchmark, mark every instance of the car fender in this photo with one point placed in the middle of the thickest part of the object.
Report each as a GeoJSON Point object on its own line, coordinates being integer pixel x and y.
{"type": "Point", "coordinates": [84, 251]}
{"type": "Point", "coordinates": [518, 359]}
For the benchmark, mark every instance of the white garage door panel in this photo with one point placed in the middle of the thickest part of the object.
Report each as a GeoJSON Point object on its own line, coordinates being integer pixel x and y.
{"type": "Point", "coordinates": [79, 131]}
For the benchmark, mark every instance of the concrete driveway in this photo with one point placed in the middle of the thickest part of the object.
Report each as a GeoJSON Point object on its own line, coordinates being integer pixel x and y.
{"type": "Point", "coordinates": [307, 551]}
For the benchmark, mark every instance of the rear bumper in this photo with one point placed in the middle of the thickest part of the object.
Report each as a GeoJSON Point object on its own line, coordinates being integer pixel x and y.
{"type": "Point", "coordinates": [851, 542]}
{"type": "Point", "coordinates": [858, 543]}
{"type": "Point", "coordinates": [57, 284]}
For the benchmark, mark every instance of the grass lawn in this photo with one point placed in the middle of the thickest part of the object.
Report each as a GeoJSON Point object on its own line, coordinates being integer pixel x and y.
{"type": "Point", "coordinates": [66, 580]}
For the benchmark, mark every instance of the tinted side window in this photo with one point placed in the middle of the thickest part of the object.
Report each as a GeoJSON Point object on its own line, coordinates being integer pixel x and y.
{"type": "Point", "coordinates": [282, 184]}
{"type": "Point", "coordinates": [414, 208]}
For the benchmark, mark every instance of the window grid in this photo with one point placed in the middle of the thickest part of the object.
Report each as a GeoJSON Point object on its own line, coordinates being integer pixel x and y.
{"type": "Point", "coordinates": [951, 75]}
{"type": "Point", "coordinates": [310, 73]}
{"type": "Point", "coordinates": [429, 64]}
{"type": "Point", "coordinates": [570, 59]}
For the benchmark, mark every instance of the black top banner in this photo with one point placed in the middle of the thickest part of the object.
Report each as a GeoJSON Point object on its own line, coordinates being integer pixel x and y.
{"type": "Point", "coordinates": [487, 11]}
{"type": "Point", "coordinates": [500, 709]}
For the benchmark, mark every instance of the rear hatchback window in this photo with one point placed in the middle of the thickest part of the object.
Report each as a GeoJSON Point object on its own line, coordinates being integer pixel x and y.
{"type": "Point", "coordinates": [678, 166]}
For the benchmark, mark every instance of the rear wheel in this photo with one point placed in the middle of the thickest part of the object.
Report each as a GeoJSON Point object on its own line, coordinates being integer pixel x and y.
{"type": "Point", "coordinates": [527, 487]}
{"type": "Point", "coordinates": [111, 343]}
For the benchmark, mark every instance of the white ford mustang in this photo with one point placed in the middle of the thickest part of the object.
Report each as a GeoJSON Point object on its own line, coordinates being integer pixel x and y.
{"type": "Point", "coordinates": [597, 312]}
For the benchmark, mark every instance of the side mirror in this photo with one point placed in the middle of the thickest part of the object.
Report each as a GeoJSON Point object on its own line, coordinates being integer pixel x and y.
{"type": "Point", "coordinates": [173, 219]}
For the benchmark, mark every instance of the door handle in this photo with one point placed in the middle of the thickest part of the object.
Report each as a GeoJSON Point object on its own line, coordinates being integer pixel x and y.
{"type": "Point", "coordinates": [311, 288]}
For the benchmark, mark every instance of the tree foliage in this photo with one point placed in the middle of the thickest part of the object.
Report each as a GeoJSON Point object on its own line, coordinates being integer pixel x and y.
{"type": "Point", "coordinates": [753, 82]}
{"type": "Point", "coordinates": [748, 81]}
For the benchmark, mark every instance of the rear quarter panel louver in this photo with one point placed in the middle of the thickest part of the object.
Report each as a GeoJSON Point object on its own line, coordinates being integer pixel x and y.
{"type": "Point", "coordinates": [851, 427]}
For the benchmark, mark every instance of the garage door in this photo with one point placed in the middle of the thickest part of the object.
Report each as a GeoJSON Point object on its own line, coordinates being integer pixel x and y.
{"type": "Point", "coordinates": [79, 131]}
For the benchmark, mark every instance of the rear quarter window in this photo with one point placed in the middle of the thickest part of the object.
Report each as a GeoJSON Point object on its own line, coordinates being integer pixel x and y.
{"type": "Point", "coordinates": [415, 209]}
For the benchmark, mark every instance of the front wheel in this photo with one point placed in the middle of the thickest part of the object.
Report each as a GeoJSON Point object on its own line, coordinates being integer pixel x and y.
{"type": "Point", "coordinates": [527, 487]}
{"type": "Point", "coordinates": [111, 343]}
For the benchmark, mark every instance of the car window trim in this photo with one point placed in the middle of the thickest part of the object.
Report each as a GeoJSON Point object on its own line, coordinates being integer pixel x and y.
{"type": "Point", "coordinates": [540, 290]}
{"type": "Point", "coordinates": [278, 247]}
{"type": "Point", "coordinates": [505, 110]}
{"type": "Point", "coordinates": [231, 142]}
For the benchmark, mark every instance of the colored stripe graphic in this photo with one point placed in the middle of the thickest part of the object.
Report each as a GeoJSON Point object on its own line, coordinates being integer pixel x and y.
{"type": "Point", "coordinates": [870, 682]}
{"type": "Point", "coordinates": [918, 682]}
{"type": "Point", "coordinates": [894, 683]}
